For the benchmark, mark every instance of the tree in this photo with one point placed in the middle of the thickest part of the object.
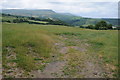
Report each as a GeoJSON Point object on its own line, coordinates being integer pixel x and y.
{"type": "Point", "coordinates": [97, 26]}
{"type": "Point", "coordinates": [81, 26]}
{"type": "Point", "coordinates": [20, 20]}
{"type": "Point", "coordinates": [16, 21]}
{"type": "Point", "coordinates": [102, 25]}
{"type": "Point", "coordinates": [109, 26]}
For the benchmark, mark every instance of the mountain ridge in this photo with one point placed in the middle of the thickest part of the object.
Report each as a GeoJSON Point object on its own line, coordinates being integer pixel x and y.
{"type": "Point", "coordinates": [66, 17]}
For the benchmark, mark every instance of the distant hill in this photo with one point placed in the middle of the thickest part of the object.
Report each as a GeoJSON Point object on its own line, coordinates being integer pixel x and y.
{"type": "Point", "coordinates": [66, 17]}
{"type": "Point", "coordinates": [25, 12]}
{"type": "Point", "coordinates": [31, 20]}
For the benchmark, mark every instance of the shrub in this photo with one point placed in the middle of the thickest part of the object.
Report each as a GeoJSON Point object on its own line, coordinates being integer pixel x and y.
{"type": "Point", "coordinates": [91, 27]}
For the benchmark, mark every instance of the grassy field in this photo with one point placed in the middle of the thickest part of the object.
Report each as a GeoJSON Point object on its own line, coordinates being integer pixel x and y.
{"type": "Point", "coordinates": [25, 45]}
{"type": "Point", "coordinates": [28, 44]}
{"type": "Point", "coordinates": [38, 21]}
{"type": "Point", "coordinates": [104, 42]}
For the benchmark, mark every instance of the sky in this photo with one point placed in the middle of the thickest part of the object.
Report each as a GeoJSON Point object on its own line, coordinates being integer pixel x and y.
{"type": "Point", "coordinates": [85, 8]}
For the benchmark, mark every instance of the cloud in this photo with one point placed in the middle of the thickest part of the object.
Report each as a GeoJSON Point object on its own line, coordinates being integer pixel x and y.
{"type": "Point", "coordinates": [77, 7]}
{"type": "Point", "coordinates": [90, 9]}
{"type": "Point", "coordinates": [85, 0]}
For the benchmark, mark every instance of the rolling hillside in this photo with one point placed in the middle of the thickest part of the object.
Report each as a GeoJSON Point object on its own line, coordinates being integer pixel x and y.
{"type": "Point", "coordinates": [56, 51]}
{"type": "Point", "coordinates": [68, 18]}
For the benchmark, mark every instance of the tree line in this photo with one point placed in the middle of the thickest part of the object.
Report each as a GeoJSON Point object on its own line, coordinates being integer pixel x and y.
{"type": "Point", "coordinates": [22, 19]}
{"type": "Point", "coordinates": [102, 25]}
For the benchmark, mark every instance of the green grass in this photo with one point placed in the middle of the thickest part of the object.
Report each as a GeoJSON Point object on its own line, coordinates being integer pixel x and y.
{"type": "Point", "coordinates": [21, 37]}
{"type": "Point", "coordinates": [104, 42]}
{"type": "Point", "coordinates": [41, 39]}
{"type": "Point", "coordinates": [17, 35]}
{"type": "Point", "coordinates": [74, 60]}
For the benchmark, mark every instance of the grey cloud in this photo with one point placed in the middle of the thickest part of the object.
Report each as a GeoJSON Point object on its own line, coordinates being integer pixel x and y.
{"type": "Point", "coordinates": [91, 9]}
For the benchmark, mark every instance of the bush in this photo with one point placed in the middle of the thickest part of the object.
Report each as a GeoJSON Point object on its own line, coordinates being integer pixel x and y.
{"type": "Point", "coordinates": [20, 20]}
{"type": "Point", "coordinates": [91, 27]}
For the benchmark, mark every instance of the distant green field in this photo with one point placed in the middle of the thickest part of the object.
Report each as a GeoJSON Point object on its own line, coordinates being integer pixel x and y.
{"type": "Point", "coordinates": [22, 37]}
{"type": "Point", "coordinates": [38, 21]}
{"type": "Point", "coordinates": [8, 18]}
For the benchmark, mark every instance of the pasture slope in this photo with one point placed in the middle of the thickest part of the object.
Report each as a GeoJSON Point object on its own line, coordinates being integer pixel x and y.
{"type": "Point", "coordinates": [54, 51]}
